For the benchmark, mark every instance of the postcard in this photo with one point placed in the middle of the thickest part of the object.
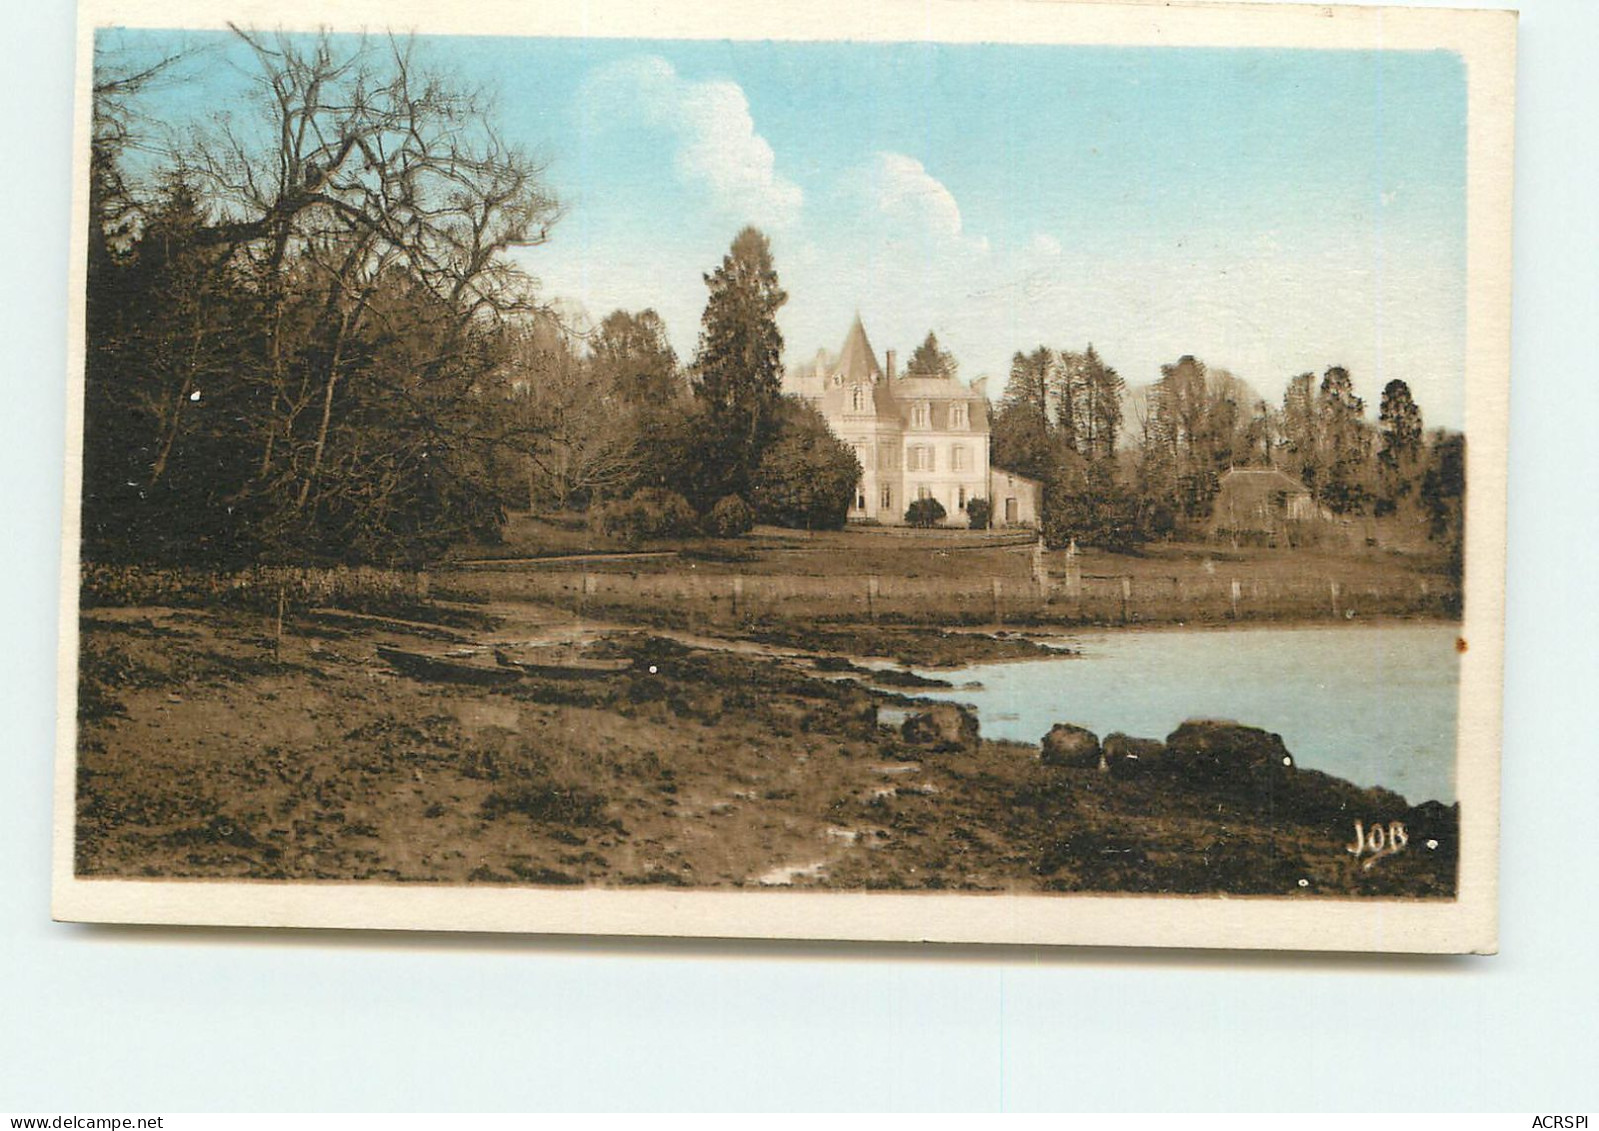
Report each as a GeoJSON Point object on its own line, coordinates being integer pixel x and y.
{"type": "Point", "coordinates": [919, 471]}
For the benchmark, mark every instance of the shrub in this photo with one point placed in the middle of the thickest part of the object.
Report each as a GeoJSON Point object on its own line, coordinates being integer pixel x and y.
{"type": "Point", "coordinates": [925, 513]}
{"type": "Point", "coordinates": [1094, 509]}
{"type": "Point", "coordinates": [806, 477]}
{"type": "Point", "coordinates": [383, 592]}
{"type": "Point", "coordinates": [978, 513]}
{"type": "Point", "coordinates": [730, 517]}
{"type": "Point", "coordinates": [651, 513]}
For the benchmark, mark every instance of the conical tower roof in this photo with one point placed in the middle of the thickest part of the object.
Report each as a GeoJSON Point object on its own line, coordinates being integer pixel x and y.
{"type": "Point", "coordinates": [856, 362]}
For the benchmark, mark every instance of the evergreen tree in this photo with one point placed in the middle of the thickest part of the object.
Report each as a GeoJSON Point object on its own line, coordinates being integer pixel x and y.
{"type": "Point", "coordinates": [165, 406]}
{"type": "Point", "coordinates": [1093, 509]}
{"type": "Point", "coordinates": [1100, 424]}
{"type": "Point", "coordinates": [1346, 447]}
{"type": "Point", "coordinates": [1262, 435]}
{"type": "Point", "coordinates": [1302, 430]}
{"type": "Point", "coordinates": [1443, 497]}
{"type": "Point", "coordinates": [929, 360]}
{"type": "Point", "coordinates": [1068, 381]}
{"type": "Point", "coordinates": [1022, 438]}
{"type": "Point", "coordinates": [1399, 445]}
{"type": "Point", "coordinates": [1182, 424]}
{"type": "Point", "coordinates": [739, 366]}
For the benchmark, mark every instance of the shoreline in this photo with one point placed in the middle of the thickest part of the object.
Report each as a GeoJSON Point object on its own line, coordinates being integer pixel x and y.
{"type": "Point", "coordinates": [201, 753]}
{"type": "Point", "coordinates": [1044, 638]}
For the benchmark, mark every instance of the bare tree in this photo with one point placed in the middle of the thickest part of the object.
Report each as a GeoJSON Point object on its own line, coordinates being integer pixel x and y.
{"type": "Point", "coordinates": [361, 165]}
{"type": "Point", "coordinates": [578, 432]}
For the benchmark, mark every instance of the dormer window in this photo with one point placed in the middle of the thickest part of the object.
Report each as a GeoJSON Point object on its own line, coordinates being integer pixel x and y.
{"type": "Point", "coordinates": [921, 415]}
{"type": "Point", "coordinates": [857, 400]}
{"type": "Point", "coordinates": [958, 417]}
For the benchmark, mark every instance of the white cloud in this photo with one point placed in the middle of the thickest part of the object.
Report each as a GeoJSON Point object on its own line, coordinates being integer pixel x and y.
{"type": "Point", "coordinates": [905, 208]}
{"type": "Point", "coordinates": [903, 191]}
{"type": "Point", "coordinates": [716, 146]}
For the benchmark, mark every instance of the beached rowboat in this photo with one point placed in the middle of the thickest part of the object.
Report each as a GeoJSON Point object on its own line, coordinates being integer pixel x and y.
{"type": "Point", "coordinates": [421, 665]}
{"type": "Point", "coordinates": [555, 663]}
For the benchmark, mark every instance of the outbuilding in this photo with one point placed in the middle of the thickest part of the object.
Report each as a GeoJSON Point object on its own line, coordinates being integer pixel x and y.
{"type": "Point", "coordinates": [1263, 506]}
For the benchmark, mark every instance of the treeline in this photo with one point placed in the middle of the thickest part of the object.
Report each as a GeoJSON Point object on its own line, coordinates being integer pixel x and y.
{"type": "Point", "coordinates": [1061, 421]}
{"type": "Point", "coordinates": [308, 340]}
{"type": "Point", "coordinates": [618, 427]}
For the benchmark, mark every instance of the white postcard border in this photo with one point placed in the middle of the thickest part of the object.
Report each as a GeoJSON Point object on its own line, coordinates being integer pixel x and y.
{"type": "Point", "coordinates": [1486, 41]}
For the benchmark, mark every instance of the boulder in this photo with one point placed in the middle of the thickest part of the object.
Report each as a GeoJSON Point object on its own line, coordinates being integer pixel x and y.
{"type": "Point", "coordinates": [944, 727]}
{"type": "Point", "coordinates": [1068, 745]}
{"type": "Point", "coordinates": [1126, 756]}
{"type": "Point", "coordinates": [1434, 819]}
{"type": "Point", "coordinates": [1219, 750]}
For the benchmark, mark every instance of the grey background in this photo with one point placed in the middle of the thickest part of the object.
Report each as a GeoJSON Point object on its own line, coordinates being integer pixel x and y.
{"type": "Point", "coordinates": [128, 1020]}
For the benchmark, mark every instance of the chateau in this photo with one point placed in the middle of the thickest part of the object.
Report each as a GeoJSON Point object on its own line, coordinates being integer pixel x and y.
{"type": "Point", "coordinates": [915, 438]}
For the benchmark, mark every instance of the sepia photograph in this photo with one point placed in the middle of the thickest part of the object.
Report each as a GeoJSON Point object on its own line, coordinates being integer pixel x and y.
{"type": "Point", "coordinates": [944, 478]}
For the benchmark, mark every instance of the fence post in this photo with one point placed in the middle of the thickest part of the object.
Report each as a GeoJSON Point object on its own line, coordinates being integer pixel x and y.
{"type": "Point", "coordinates": [1074, 572]}
{"type": "Point", "coordinates": [583, 592]}
{"type": "Point", "coordinates": [277, 637]}
{"type": "Point", "coordinates": [871, 598]}
{"type": "Point", "coordinates": [738, 593]}
{"type": "Point", "coordinates": [999, 614]}
{"type": "Point", "coordinates": [423, 585]}
{"type": "Point", "coordinates": [1237, 592]}
{"type": "Point", "coordinates": [1127, 596]}
{"type": "Point", "coordinates": [1332, 587]}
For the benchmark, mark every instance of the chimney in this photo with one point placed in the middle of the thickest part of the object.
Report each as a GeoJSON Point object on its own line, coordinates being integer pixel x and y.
{"type": "Point", "coordinates": [888, 361]}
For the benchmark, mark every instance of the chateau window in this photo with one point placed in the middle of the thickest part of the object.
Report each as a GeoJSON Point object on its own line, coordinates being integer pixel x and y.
{"type": "Point", "coordinates": [857, 400]}
{"type": "Point", "coordinates": [921, 458]}
{"type": "Point", "coordinates": [958, 417]}
{"type": "Point", "coordinates": [921, 414]}
{"type": "Point", "coordinates": [960, 502]}
{"type": "Point", "coordinates": [860, 500]}
{"type": "Point", "coordinates": [888, 498]}
{"type": "Point", "coordinates": [923, 493]}
{"type": "Point", "coordinates": [958, 462]}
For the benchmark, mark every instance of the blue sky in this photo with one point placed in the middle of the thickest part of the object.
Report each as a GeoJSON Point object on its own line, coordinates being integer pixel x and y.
{"type": "Point", "coordinates": [1271, 211]}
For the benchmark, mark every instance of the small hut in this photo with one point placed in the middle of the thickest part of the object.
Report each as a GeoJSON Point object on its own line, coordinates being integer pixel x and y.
{"type": "Point", "coordinates": [1263, 506]}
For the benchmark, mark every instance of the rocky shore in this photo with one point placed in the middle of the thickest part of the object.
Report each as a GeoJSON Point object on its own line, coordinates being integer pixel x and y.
{"type": "Point", "coordinates": [208, 751]}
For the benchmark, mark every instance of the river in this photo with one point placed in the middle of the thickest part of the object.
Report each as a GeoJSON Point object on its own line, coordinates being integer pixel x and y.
{"type": "Point", "coordinates": [1374, 704]}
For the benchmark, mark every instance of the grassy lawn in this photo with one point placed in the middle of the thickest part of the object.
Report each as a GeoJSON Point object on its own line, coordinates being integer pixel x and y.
{"type": "Point", "coordinates": [945, 577]}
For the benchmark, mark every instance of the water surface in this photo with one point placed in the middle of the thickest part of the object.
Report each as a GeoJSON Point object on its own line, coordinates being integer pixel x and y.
{"type": "Point", "coordinates": [1375, 704]}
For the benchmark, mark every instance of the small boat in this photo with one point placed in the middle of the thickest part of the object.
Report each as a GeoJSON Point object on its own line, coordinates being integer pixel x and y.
{"type": "Point", "coordinates": [421, 665]}
{"type": "Point", "coordinates": [556, 663]}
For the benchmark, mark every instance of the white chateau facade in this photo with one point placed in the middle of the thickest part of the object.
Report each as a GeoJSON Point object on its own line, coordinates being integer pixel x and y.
{"type": "Point", "coordinates": [915, 438]}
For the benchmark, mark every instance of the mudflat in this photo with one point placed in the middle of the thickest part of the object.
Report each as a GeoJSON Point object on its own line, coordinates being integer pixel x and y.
{"type": "Point", "coordinates": [209, 748]}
